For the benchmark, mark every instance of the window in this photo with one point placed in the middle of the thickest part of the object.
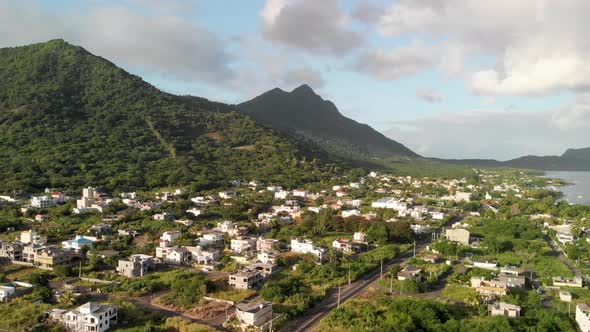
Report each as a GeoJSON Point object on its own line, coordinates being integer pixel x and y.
{"type": "Point", "coordinates": [92, 320]}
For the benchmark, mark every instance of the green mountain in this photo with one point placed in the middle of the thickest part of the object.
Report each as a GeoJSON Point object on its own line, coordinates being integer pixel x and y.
{"type": "Point", "coordinates": [70, 119]}
{"type": "Point", "coordinates": [302, 113]}
{"type": "Point", "coordinates": [571, 160]}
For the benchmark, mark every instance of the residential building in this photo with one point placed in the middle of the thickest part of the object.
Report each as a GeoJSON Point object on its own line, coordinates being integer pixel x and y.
{"type": "Point", "coordinates": [257, 315]}
{"type": "Point", "coordinates": [168, 237]}
{"type": "Point", "coordinates": [245, 279]}
{"type": "Point", "coordinates": [174, 255]}
{"type": "Point", "coordinates": [583, 317]}
{"type": "Point", "coordinates": [307, 247]}
{"type": "Point", "coordinates": [196, 212]}
{"type": "Point", "coordinates": [409, 272]}
{"type": "Point", "coordinates": [343, 245]}
{"type": "Point", "coordinates": [228, 227]}
{"type": "Point", "coordinates": [30, 252]}
{"type": "Point", "coordinates": [492, 266]}
{"type": "Point", "coordinates": [166, 216]}
{"type": "Point", "coordinates": [41, 217]}
{"type": "Point", "coordinates": [202, 256]}
{"type": "Point", "coordinates": [504, 309]}
{"type": "Point", "coordinates": [512, 281]}
{"type": "Point", "coordinates": [27, 237]}
{"type": "Point", "coordinates": [242, 245]}
{"type": "Point", "coordinates": [226, 194]}
{"type": "Point", "coordinates": [11, 250]}
{"type": "Point", "coordinates": [136, 266]}
{"type": "Point", "coordinates": [14, 289]}
{"type": "Point", "coordinates": [568, 282]}
{"type": "Point", "coordinates": [91, 200]}
{"type": "Point", "coordinates": [43, 202]}
{"type": "Point", "coordinates": [359, 237]}
{"type": "Point", "coordinates": [267, 256]}
{"type": "Point", "coordinates": [565, 296]}
{"type": "Point", "coordinates": [489, 288]}
{"type": "Point", "coordinates": [78, 243]}
{"type": "Point", "coordinates": [351, 213]}
{"type": "Point", "coordinates": [458, 235]}
{"type": "Point", "coordinates": [263, 244]}
{"type": "Point", "coordinates": [266, 269]}
{"type": "Point", "coordinates": [213, 239]}
{"type": "Point", "coordinates": [89, 317]}
{"type": "Point", "coordinates": [49, 257]}
{"type": "Point", "coordinates": [390, 203]}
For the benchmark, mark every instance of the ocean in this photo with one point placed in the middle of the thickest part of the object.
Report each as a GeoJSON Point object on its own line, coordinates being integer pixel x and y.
{"type": "Point", "coordinates": [579, 190]}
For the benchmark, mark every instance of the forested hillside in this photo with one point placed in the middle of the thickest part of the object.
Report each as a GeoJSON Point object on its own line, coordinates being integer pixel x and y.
{"type": "Point", "coordinates": [69, 119]}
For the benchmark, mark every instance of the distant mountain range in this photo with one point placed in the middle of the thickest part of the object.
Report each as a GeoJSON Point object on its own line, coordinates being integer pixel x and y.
{"type": "Point", "coordinates": [571, 160]}
{"type": "Point", "coordinates": [69, 119]}
{"type": "Point", "coordinates": [303, 113]}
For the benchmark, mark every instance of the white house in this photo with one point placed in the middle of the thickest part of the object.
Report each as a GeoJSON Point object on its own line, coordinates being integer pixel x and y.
{"type": "Point", "coordinates": [281, 194]}
{"type": "Point", "coordinates": [91, 317]}
{"type": "Point", "coordinates": [195, 212]}
{"type": "Point", "coordinates": [226, 194]}
{"type": "Point", "coordinates": [6, 291]}
{"type": "Point", "coordinates": [504, 309]}
{"type": "Point", "coordinates": [359, 237]}
{"type": "Point", "coordinates": [254, 315]}
{"type": "Point", "coordinates": [307, 247]}
{"type": "Point", "coordinates": [350, 213]}
{"type": "Point", "coordinates": [343, 245]}
{"type": "Point", "coordinates": [583, 317]}
{"type": "Point", "coordinates": [390, 203]}
{"type": "Point", "coordinates": [79, 242]}
{"type": "Point", "coordinates": [169, 237]}
{"type": "Point", "coordinates": [43, 202]}
{"type": "Point", "coordinates": [242, 245]}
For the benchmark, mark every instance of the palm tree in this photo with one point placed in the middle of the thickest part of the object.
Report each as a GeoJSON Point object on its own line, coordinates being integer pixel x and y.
{"type": "Point", "coordinates": [67, 299]}
{"type": "Point", "coordinates": [473, 299]}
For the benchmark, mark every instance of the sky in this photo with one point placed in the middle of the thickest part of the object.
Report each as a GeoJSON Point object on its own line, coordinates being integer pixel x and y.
{"type": "Point", "coordinates": [447, 78]}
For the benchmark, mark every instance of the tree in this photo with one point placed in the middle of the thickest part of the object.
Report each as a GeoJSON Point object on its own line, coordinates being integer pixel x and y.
{"type": "Point", "coordinates": [67, 299]}
{"type": "Point", "coordinates": [188, 288]}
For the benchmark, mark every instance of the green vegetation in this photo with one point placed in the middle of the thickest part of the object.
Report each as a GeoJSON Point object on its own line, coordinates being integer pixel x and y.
{"type": "Point", "coordinates": [70, 119]}
{"type": "Point", "coordinates": [405, 314]}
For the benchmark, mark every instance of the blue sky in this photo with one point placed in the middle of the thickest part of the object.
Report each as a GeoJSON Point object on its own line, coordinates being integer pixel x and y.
{"type": "Point", "coordinates": [456, 79]}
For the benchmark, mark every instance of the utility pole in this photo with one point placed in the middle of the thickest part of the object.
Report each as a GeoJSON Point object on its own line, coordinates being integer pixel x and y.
{"type": "Point", "coordinates": [339, 296]}
{"type": "Point", "coordinates": [414, 248]}
{"type": "Point", "coordinates": [80, 270]}
{"type": "Point", "coordinates": [391, 284]}
{"type": "Point", "coordinates": [381, 276]}
{"type": "Point", "coordinates": [349, 275]}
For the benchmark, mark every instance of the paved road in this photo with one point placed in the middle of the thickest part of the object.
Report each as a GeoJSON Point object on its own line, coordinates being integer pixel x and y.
{"type": "Point", "coordinates": [147, 302]}
{"type": "Point", "coordinates": [330, 302]}
{"type": "Point", "coordinates": [562, 257]}
{"type": "Point", "coordinates": [313, 316]}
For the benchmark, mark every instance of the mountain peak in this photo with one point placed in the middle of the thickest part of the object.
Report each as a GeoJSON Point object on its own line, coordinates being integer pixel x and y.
{"type": "Point", "coordinates": [304, 113]}
{"type": "Point", "coordinates": [303, 89]}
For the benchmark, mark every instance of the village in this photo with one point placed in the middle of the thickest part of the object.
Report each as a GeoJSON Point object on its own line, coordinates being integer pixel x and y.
{"type": "Point", "coordinates": [255, 255]}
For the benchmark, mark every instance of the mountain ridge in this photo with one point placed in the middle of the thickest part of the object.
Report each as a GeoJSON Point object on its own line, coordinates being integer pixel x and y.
{"type": "Point", "coordinates": [69, 119]}
{"type": "Point", "coordinates": [570, 160]}
{"type": "Point", "coordinates": [304, 113]}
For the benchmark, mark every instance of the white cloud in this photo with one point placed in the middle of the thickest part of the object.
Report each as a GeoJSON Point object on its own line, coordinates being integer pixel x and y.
{"type": "Point", "coordinates": [540, 46]}
{"type": "Point", "coordinates": [429, 95]}
{"type": "Point", "coordinates": [400, 61]}
{"type": "Point", "coordinates": [501, 134]}
{"type": "Point", "coordinates": [299, 76]}
{"type": "Point", "coordinates": [574, 116]}
{"type": "Point", "coordinates": [165, 45]}
{"type": "Point", "coordinates": [315, 26]}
